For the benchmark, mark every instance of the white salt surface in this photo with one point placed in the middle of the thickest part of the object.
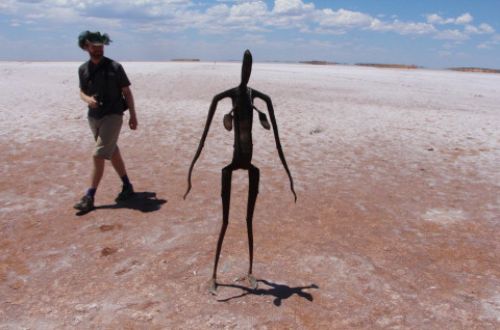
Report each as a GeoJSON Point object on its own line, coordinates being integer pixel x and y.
{"type": "Point", "coordinates": [331, 118]}
{"type": "Point", "coordinates": [444, 216]}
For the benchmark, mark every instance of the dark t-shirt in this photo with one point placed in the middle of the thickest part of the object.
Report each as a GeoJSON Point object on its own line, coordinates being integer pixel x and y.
{"type": "Point", "coordinates": [104, 81]}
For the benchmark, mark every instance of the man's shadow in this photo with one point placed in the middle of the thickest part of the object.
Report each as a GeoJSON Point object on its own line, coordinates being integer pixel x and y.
{"type": "Point", "coordinates": [279, 291]}
{"type": "Point", "coordinates": [141, 201]}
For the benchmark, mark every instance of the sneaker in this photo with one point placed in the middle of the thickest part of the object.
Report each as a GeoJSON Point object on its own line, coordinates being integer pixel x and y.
{"type": "Point", "coordinates": [126, 193]}
{"type": "Point", "coordinates": [86, 204]}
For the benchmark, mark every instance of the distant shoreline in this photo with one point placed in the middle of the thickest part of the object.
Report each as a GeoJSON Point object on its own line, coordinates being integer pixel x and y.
{"type": "Point", "coordinates": [474, 69]}
{"type": "Point", "coordinates": [314, 62]}
{"type": "Point", "coordinates": [390, 66]}
{"type": "Point", "coordinates": [185, 60]}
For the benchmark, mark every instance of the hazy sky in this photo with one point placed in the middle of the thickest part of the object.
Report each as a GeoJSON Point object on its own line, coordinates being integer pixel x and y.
{"type": "Point", "coordinates": [437, 33]}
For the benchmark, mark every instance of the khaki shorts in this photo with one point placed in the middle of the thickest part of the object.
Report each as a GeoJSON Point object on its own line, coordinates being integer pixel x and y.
{"type": "Point", "coordinates": [106, 131]}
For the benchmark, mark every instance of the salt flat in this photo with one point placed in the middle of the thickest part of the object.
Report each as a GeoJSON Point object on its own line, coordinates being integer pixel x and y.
{"type": "Point", "coordinates": [396, 223]}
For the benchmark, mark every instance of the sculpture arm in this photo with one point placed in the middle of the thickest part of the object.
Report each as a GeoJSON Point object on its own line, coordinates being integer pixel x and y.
{"type": "Point", "coordinates": [270, 109]}
{"type": "Point", "coordinates": [211, 112]}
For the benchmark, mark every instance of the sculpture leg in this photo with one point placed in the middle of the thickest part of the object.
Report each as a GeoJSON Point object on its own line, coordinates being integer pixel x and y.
{"type": "Point", "coordinates": [253, 190]}
{"type": "Point", "coordinates": [226, 196]}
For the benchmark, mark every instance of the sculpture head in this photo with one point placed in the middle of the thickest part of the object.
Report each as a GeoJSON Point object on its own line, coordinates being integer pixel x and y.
{"type": "Point", "coordinates": [246, 69]}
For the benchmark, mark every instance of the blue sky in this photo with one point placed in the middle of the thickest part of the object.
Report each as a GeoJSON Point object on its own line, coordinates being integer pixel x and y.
{"type": "Point", "coordinates": [436, 34]}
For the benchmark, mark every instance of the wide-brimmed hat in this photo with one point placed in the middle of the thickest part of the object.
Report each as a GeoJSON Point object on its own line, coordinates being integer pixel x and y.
{"type": "Point", "coordinates": [95, 38]}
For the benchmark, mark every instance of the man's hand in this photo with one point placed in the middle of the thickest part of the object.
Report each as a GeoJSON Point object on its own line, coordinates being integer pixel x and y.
{"type": "Point", "coordinates": [93, 103]}
{"type": "Point", "coordinates": [132, 122]}
{"type": "Point", "coordinates": [90, 100]}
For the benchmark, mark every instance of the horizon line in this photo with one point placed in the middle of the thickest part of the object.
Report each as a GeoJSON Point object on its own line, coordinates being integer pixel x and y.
{"type": "Point", "coordinates": [305, 62]}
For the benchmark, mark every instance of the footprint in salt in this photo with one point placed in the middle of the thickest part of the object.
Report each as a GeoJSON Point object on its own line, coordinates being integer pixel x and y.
{"type": "Point", "coordinates": [104, 228]}
{"type": "Point", "coordinates": [108, 251]}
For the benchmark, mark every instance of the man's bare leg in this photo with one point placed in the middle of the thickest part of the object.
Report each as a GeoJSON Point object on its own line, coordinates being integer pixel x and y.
{"type": "Point", "coordinates": [97, 172]}
{"type": "Point", "coordinates": [118, 164]}
{"type": "Point", "coordinates": [86, 204]}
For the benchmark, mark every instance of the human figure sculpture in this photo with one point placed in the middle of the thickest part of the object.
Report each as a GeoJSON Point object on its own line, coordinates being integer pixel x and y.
{"type": "Point", "coordinates": [241, 117]}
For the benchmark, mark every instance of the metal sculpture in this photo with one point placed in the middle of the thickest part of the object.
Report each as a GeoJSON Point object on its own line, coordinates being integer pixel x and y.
{"type": "Point", "coordinates": [241, 119]}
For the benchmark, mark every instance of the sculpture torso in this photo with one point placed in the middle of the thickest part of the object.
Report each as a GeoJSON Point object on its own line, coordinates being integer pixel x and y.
{"type": "Point", "coordinates": [242, 123]}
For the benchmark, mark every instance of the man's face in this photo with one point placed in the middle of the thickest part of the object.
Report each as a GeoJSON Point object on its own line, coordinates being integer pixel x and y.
{"type": "Point", "coordinates": [95, 51]}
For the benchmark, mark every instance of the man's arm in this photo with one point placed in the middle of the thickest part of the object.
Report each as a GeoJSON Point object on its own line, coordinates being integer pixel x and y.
{"type": "Point", "coordinates": [129, 98]}
{"type": "Point", "coordinates": [90, 100]}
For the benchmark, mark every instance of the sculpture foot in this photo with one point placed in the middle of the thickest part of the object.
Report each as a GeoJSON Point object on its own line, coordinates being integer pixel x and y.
{"type": "Point", "coordinates": [212, 286]}
{"type": "Point", "coordinates": [252, 281]}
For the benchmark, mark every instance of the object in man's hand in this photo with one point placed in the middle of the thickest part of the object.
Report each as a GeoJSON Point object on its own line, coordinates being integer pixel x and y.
{"type": "Point", "coordinates": [98, 100]}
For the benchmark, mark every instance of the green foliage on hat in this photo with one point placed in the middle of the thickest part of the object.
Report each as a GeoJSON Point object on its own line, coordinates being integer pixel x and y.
{"type": "Point", "coordinates": [93, 37]}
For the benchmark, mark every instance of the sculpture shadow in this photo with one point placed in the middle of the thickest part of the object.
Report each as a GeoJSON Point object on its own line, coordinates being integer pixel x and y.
{"type": "Point", "coordinates": [144, 201]}
{"type": "Point", "coordinates": [279, 291]}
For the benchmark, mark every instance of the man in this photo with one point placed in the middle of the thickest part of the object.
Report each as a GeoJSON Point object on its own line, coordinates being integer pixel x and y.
{"type": "Point", "coordinates": [104, 86]}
